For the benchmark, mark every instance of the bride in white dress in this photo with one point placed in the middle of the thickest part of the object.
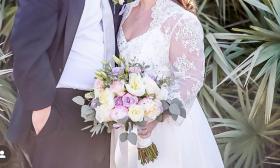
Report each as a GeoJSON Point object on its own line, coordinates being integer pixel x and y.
{"type": "Point", "coordinates": [169, 38]}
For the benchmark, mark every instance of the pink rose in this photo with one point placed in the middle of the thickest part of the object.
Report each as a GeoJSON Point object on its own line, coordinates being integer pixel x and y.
{"type": "Point", "coordinates": [98, 87]}
{"type": "Point", "coordinates": [119, 113]}
{"type": "Point", "coordinates": [129, 100]}
{"type": "Point", "coordinates": [117, 88]}
{"type": "Point", "coordinates": [99, 84]}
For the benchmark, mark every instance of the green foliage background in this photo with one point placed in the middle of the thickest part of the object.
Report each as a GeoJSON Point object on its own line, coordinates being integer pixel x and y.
{"type": "Point", "coordinates": [241, 94]}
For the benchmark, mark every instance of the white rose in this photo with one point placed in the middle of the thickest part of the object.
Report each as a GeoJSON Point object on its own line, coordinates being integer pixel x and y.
{"type": "Point", "coordinates": [163, 94]}
{"type": "Point", "coordinates": [103, 114]}
{"type": "Point", "coordinates": [151, 86]}
{"type": "Point", "coordinates": [136, 86]}
{"type": "Point", "coordinates": [136, 113]}
{"type": "Point", "coordinates": [106, 98]}
{"type": "Point", "coordinates": [153, 108]}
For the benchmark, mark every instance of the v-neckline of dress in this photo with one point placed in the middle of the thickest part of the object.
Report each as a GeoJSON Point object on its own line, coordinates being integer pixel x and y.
{"type": "Point", "coordinates": [133, 5]}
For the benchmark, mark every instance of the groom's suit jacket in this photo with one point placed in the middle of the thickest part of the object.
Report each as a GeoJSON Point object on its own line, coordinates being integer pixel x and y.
{"type": "Point", "coordinates": [41, 41]}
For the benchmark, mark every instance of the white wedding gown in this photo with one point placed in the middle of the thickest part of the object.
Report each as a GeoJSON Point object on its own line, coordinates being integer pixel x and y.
{"type": "Point", "coordinates": [173, 45]}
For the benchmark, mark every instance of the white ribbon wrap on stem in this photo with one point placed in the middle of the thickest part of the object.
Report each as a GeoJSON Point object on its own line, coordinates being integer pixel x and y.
{"type": "Point", "coordinates": [144, 143]}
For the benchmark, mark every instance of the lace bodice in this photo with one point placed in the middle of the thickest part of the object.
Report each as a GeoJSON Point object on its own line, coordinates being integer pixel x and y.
{"type": "Point", "coordinates": [172, 46]}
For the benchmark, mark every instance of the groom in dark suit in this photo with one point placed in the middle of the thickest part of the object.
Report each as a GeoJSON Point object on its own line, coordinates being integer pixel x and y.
{"type": "Point", "coordinates": [58, 45]}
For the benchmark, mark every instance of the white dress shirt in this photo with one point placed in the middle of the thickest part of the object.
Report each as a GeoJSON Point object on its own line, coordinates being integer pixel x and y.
{"type": "Point", "coordinates": [88, 50]}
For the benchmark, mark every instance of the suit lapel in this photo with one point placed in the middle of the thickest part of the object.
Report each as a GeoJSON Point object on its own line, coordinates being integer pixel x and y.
{"type": "Point", "coordinates": [75, 11]}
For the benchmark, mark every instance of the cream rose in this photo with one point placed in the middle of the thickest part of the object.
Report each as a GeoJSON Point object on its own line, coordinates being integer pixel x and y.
{"type": "Point", "coordinates": [153, 108]}
{"type": "Point", "coordinates": [151, 86]}
{"type": "Point", "coordinates": [163, 94]}
{"type": "Point", "coordinates": [136, 113]}
{"type": "Point", "coordinates": [136, 86]}
{"type": "Point", "coordinates": [98, 87]}
{"type": "Point", "coordinates": [106, 98]}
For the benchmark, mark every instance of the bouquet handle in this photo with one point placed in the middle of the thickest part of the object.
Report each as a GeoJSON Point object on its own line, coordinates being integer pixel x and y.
{"type": "Point", "coordinates": [147, 150]}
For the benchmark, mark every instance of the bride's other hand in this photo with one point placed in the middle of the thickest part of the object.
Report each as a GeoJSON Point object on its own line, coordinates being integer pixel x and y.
{"type": "Point", "coordinates": [146, 131]}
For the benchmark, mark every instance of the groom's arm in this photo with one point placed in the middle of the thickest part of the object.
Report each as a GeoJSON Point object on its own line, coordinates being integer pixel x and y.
{"type": "Point", "coordinates": [34, 29]}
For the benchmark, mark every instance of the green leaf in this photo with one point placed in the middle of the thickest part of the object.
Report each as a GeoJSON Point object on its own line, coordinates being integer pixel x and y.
{"type": "Point", "coordinates": [174, 117]}
{"type": "Point", "coordinates": [141, 124]}
{"type": "Point", "coordinates": [183, 112]}
{"type": "Point", "coordinates": [123, 121]}
{"type": "Point", "coordinates": [177, 101]}
{"type": "Point", "coordinates": [259, 5]}
{"type": "Point", "coordinates": [79, 100]}
{"type": "Point", "coordinates": [132, 138]}
{"type": "Point", "coordinates": [87, 113]}
{"type": "Point", "coordinates": [123, 137]}
{"type": "Point", "coordinates": [117, 60]}
{"type": "Point", "coordinates": [160, 118]}
{"type": "Point", "coordinates": [174, 109]}
{"type": "Point", "coordinates": [165, 105]}
{"type": "Point", "coordinates": [259, 98]}
{"type": "Point", "coordinates": [270, 92]}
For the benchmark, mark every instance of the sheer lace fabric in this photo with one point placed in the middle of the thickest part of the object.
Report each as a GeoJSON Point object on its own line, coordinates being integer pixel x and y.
{"type": "Point", "coordinates": [172, 46]}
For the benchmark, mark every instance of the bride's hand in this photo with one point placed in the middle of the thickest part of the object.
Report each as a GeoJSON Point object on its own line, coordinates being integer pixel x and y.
{"type": "Point", "coordinates": [146, 131]}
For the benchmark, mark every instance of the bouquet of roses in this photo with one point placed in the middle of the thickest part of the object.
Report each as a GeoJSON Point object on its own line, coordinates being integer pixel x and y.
{"type": "Point", "coordinates": [128, 96]}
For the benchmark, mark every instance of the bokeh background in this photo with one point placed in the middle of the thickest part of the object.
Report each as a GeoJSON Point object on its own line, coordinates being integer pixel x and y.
{"type": "Point", "coordinates": [241, 94]}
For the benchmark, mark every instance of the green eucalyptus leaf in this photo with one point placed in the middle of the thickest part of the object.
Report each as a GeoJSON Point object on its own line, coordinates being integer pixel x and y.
{"type": "Point", "coordinates": [79, 100]}
{"type": "Point", "coordinates": [123, 137]}
{"type": "Point", "coordinates": [141, 124]}
{"type": "Point", "coordinates": [183, 112]}
{"type": "Point", "coordinates": [87, 113]}
{"type": "Point", "coordinates": [178, 102]}
{"type": "Point", "coordinates": [123, 121]}
{"type": "Point", "coordinates": [165, 105]}
{"type": "Point", "coordinates": [132, 138]}
{"type": "Point", "coordinates": [160, 118]}
{"type": "Point", "coordinates": [174, 109]}
{"type": "Point", "coordinates": [174, 117]}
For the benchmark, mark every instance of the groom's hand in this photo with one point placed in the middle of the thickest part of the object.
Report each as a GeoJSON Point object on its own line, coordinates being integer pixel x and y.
{"type": "Point", "coordinates": [39, 118]}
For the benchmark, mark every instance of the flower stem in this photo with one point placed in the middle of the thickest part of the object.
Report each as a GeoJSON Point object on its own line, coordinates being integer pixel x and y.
{"type": "Point", "coordinates": [148, 154]}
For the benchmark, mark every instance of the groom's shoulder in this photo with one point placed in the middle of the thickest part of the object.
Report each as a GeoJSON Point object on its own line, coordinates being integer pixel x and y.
{"type": "Point", "coordinates": [46, 3]}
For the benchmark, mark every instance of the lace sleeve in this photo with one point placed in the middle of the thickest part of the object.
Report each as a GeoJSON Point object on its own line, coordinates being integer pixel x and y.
{"type": "Point", "coordinates": [187, 60]}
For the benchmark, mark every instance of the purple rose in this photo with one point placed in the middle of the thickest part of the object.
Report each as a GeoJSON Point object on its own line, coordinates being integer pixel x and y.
{"type": "Point", "coordinates": [117, 70]}
{"type": "Point", "coordinates": [129, 100]}
{"type": "Point", "coordinates": [118, 101]}
{"type": "Point", "coordinates": [135, 70]}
